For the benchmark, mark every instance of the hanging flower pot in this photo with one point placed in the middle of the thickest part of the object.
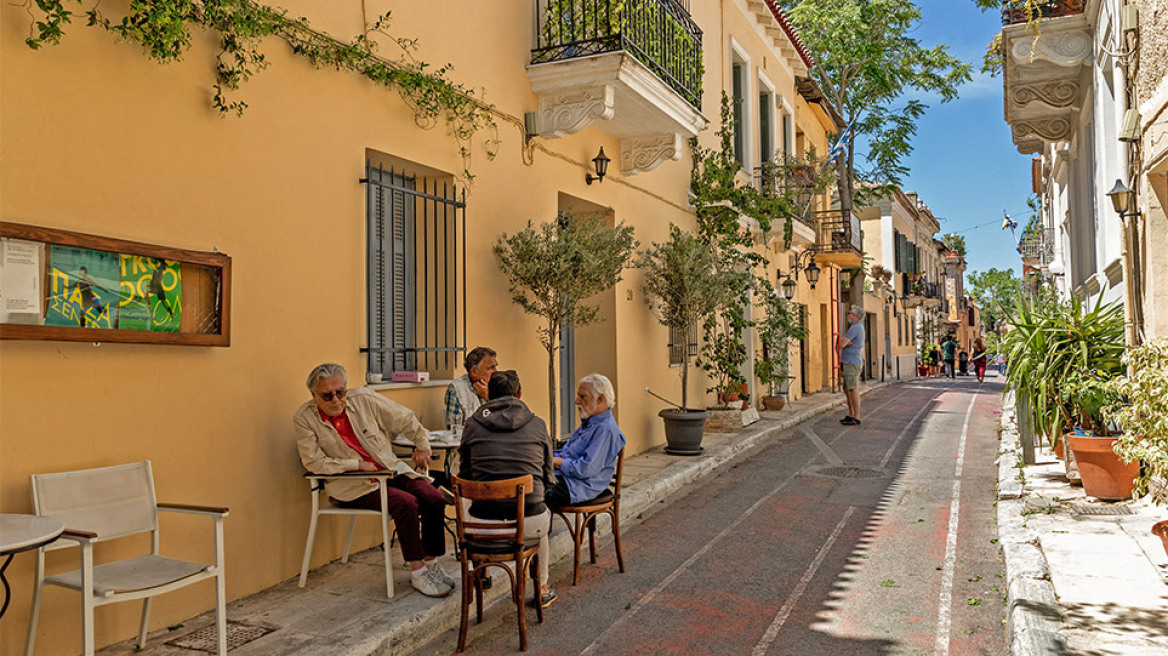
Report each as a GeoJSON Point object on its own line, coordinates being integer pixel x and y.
{"type": "Point", "coordinates": [1104, 475]}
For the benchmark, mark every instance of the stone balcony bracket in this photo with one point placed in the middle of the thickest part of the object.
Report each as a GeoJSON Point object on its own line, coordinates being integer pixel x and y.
{"type": "Point", "coordinates": [621, 96]}
{"type": "Point", "coordinates": [1046, 79]}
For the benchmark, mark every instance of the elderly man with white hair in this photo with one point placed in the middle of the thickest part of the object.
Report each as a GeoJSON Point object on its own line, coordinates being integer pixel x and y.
{"type": "Point", "coordinates": [585, 464]}
{"type": "Point", "coordinates": [851, 361]}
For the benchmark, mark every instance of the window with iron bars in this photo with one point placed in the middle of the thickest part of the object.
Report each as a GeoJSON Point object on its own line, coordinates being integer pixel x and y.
{"type": "Point", "coordinates": [416, 272]}
{"type": "Point", "coordinates": [683, 344]}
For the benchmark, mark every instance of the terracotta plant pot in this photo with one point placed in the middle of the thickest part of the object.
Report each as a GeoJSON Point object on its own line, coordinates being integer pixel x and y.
{"type": "Point", "coordinates": [1160, 530]}
{"type": "Point", "coordinates": [1104, 475]}
{"type": "Point", "coordinates": [773, 402]}
{"type": "Point", "coordinates": [922, 370]}
{"type": "Point", "coordinates": [1059, 452]}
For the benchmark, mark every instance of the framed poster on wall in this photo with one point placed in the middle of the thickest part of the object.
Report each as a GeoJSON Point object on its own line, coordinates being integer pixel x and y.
{"type": "Point", "coordinates": [68, 286]}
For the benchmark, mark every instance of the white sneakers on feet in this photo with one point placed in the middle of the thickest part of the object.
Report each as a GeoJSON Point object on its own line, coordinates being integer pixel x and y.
{"type": "Point", "coordinates": [430, 585]}
{"type": "Point", "coordinates": [442, 574]}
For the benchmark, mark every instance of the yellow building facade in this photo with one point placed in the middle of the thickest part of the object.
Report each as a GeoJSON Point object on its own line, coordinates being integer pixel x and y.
{"type": "Point", "coordinates": [99, 139]}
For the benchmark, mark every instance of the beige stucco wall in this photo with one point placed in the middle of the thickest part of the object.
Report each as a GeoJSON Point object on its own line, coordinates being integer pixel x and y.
{"type": "Point", "coordinates": [99, 139]}
{"type": "Point", "coordinates": [1151, 86]}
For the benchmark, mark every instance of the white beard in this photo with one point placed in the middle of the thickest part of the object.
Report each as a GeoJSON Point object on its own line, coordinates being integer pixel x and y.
{"type": "Point", "coordinates": [580, 411]}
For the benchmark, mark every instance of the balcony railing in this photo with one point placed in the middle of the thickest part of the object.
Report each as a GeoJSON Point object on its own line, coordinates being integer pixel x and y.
{"type": "Point", "coordinates": [799, 188]}
{"type": "Point", "coordinates": [1015, 11]}
{"type": "Point", "coordinates": [1036, 245]}
{"type": "Point", "coordinates": [838, 232]}
{"type": "Point", "coordinates": [659, 33]}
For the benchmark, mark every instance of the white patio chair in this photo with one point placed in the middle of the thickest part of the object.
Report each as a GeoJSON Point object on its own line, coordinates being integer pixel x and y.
{"type": "Point", "coordinates": [327, 507]}
{"type": "Point", "coordinates": [98, 505]}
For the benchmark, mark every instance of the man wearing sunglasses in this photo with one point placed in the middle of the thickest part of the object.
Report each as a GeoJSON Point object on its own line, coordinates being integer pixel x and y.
{"type": "Point", "coordinates": [343, 430]}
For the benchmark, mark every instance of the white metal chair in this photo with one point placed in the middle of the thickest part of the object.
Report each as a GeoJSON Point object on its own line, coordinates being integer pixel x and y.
{"type": "Point", "coordinates": [326, 507]}
{"type": "Point", "coordinates": [104, 504]}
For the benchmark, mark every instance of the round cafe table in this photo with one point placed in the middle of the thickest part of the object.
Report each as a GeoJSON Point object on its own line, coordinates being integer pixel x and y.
{"type": "Point", "coordinates": [21, 533]}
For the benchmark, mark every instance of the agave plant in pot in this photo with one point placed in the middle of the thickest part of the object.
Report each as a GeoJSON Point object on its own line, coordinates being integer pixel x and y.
{"type": "Point", "coordinates": [683, 284]}
{"type": "Point", "coordinates": [1143, 415]}
{"type": "Point", "coordinates": [780, 324]}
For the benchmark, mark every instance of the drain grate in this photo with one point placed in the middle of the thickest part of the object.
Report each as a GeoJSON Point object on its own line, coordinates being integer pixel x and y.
{"type": "Point", "coordinates": [205, 639]}
{"type": "Point", "coordinates": [848, 472]}
{"type": "Point", "coordinates": [1102, 510]}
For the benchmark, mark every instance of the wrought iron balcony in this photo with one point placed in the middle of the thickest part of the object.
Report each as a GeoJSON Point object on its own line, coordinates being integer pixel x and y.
{"type": "Point", "coordinates": [1036, 247]}
{"type": "Point", "coordinates": [659, 33]}
{"type": "Point", "coordinates": [798, 188]}
{"type": "Point", "coordinates": [1015, 11]}
{"type": "Point", "coordinates": [838, 237]}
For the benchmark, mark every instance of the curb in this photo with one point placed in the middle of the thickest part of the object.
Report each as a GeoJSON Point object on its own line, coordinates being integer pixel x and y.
{"type": "Point", "coordinates": [640, 499]}
{"type": "Point", "coordinates": [1033, 618]}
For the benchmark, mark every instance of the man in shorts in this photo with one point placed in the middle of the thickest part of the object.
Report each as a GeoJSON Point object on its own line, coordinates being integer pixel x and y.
{"type": "Point", "coordinates": [851, 359]}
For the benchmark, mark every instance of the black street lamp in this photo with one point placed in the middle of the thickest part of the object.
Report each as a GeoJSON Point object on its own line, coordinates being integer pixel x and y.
{"type": "Point", "coordinates": [601, 163]}
{"type": "Point", "coordinates": [809, 267]}
{"type": "Point", "coordinates": [1123, 200]}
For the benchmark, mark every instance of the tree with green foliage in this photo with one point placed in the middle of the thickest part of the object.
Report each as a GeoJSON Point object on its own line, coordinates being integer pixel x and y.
{"type": "Point", "coordinates": [954, 242]}
{"type": "Point", "coordinates": [552, 270]}
{"type": "Point", "coordinates": [995, 290]}
{"type": "Point", "coordinates": [869, 64]}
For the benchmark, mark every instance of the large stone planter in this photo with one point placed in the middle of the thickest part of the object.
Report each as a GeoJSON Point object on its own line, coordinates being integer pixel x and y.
{"type": "Point", "coordinates": [683, 431]}
{"type": "Point", "coordinates": [773, 402]}
{"type": "Point", "coordinates": [724, 420]}
{"type": "Point", "coordinates": [1104, 475]}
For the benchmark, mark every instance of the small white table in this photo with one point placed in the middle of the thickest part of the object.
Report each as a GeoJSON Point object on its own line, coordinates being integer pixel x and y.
{"type": "Point", "coordinates": [21, 533]}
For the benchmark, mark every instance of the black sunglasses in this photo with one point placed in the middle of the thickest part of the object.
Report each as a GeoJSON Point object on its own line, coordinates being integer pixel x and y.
{"type": "Point", "coordinates": [328, 396]}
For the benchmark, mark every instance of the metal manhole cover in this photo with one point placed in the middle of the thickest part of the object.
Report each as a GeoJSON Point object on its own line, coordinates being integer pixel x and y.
{"type": "Point", "coordinates": [205, 638]}
{"type": "Point", "coordinates": [1102, 510]}
{"type": "Point", "coordinates": [849, 472]}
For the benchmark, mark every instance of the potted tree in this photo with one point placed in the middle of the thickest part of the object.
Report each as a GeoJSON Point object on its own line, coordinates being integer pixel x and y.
{"type": "Point", "coordinates": [1142, 414]}
{"type": "Point", "coordinates": [683, 285]}
{"type": "Point", "coordinates": [1104, 475]}
{"type": "Point", "coordinates": [554, 269]}
{"type": "Point", "coordinates": [780, 324]}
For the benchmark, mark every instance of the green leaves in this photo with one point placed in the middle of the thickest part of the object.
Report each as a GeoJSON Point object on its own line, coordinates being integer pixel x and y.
{"type": "Point", "coordinates": [1143, 413]}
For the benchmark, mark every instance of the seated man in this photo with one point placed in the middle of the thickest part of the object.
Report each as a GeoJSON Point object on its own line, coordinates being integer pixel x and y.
{"type": "Point", "coordinates": [466, 393]}
{"type": "Point", "coordinates": [342, 430]}
{"type": "Point", "coordinates": [588, 459]}
{"type": "Point", "coordinates": [503, 439]}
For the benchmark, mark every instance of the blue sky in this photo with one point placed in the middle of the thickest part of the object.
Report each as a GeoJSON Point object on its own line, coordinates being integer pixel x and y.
{"type": "Point", "coordinates": [964, 165]}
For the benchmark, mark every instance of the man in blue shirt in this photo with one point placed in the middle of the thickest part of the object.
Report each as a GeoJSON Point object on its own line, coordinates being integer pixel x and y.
{"type": "Point", "coordinates": [851, 360]}
{"type": "Point", "coordinates": [585, 465]}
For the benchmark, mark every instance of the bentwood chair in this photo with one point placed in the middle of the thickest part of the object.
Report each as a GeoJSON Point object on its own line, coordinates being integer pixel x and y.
{"type": "Point", "coordinates": [99, 505]}
{"type": "Point", "coordinates": [585, 514]}
{"type": "Point", "coordinates": [325, 506]}
{"type": "Point", "coordinates": [485, 544]}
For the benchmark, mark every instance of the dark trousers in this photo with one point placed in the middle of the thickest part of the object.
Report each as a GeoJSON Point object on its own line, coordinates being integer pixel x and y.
{"type": "Point", "coordinates": [408, 498]}
{"type": "Point", "coordinates": [949, 369]}
{"type": "Point", "coordinates": [557, 496]}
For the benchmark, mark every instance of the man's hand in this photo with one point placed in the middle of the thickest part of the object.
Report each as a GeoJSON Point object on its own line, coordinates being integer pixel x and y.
{"type": "Point", "coordinates": [421, 459]}
{"type": "Point", "coordinates": [480, 388]}
{"type": "Point", "coordinates": [366, 466]}
{"type": "Point", "coordinates": [557, 461]}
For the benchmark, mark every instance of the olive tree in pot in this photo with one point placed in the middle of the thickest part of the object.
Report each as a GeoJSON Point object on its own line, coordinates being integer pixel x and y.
{"type": "Point", "coordinates": [1143, 416]}
{"type": "Point", "coordinates": [780, 324]}
{"type": "Point", "coordinates": [683, 285]}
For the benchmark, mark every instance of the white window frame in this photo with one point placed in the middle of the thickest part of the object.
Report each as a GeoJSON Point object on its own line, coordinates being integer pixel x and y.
{"type": "Point", "coordinates": [739, 57]}
{"type": "Point", "coordinates": [766, 87]}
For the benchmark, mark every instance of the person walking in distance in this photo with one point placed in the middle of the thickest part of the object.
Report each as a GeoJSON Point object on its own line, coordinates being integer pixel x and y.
{"type": "Point", "coordinates": [949, 347]}
{"type": "Point", "coordinates": [979, 358]}
{"type": "Point", "coordinates": [851, 359]}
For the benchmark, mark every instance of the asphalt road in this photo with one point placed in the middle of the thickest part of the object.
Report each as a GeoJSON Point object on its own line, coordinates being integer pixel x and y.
{"type": "Point", "coordinates": [876, 539]}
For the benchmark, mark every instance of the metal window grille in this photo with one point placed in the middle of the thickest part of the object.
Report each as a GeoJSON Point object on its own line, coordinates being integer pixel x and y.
{"type": "Point", "coordinates": [416, 267]}
{"type": "Point", "coordinates": [682, 344]}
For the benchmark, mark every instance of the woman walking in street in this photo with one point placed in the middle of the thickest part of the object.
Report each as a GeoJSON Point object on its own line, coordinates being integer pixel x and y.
{"type": "Point", "coordinates": [979, 358]}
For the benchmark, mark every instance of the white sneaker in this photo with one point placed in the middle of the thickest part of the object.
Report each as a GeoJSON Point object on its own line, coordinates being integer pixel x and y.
{"type": "Point", "coordinates": [441, 573]}
{"type": "Point", "coordinates": [430, 585]}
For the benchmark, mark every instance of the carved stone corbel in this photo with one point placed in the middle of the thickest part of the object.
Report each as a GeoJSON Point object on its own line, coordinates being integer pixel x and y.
{"type": "Point", "coordinates": [1055, 93]}
{"type": "Point", "coordinates": [643, 154]}
{"type": "Point", "coordinates": [1067, 48]}
{"type": "Point", "coordinates": [1047, 129]}
{"type": "Point", "coordinates": [567, 113]}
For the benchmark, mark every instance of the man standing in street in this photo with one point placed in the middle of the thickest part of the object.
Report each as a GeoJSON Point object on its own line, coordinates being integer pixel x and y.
{"type": "Point", "coordinates": [949, 346]}
{"type": "Point", "coordinates": [342, 430]}
{"type": "Point", "coordinates": [851, 361]}
{"type": "Point", "coordinates": [466, 393]}
{"type": "Point", "coordinates": [587, 461]}
{"type": "Point", "coordinates": [502, 440]}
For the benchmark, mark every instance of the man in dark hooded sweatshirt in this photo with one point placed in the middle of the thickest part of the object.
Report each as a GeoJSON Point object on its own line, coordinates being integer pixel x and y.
{"type": "Point", "coordinates": [501, 440]}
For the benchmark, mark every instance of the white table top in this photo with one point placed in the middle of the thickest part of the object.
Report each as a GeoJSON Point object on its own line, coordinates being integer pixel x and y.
{"type": "Point", "coordinates": [19, 532]}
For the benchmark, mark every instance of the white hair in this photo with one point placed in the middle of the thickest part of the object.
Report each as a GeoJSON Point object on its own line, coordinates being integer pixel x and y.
{"type": "Point", "coordinates": [601, 386]}
{"type": "Point", "coordinates": [326, 370]}
{"type": "Point", "coordinates": [858, 311]}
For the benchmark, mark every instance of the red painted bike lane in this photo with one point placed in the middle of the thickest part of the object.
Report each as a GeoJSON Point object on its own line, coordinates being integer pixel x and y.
{"type": "Point", "coordinates": [831, 540]}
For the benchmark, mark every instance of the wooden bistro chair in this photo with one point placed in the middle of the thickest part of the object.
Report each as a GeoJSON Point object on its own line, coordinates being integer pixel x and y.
{"type": "Point", "coordinates": [325, 506]}
{"type": "Point", "coordinates": [585, 514]}
{"type": "Point", "coordinates": [485, 544]}
{"type": "Point", "coordinates": [99, 505]}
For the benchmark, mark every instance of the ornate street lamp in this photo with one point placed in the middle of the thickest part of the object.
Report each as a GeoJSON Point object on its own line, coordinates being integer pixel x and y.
{"type": "Point", "coordinates": [601, 163]}
{"type": "Point", "coordinates": [1123, 200]}
{"type": "Point", "coordinates": [809, 267]}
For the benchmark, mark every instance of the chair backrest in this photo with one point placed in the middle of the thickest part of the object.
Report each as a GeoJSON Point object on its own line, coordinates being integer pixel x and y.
{"type": "Point", "coordinates": [618, 474]}
{"type": "Point", "coordinates": [502, 490]}
{"type": "Point", "coordinates": [111, 501]}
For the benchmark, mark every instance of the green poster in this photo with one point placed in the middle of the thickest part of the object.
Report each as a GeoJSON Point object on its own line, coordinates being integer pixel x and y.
{"type": "Point", "coordinates": [83, 287]}
{"type": "Point", "coordinates": [151, 294]}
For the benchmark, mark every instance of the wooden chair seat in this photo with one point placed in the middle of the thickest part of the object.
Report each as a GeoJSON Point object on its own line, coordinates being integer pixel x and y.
{"type": "Point", "coordinates": [605, 498]}
{"type": "Point", "coordinates": [501, 548]}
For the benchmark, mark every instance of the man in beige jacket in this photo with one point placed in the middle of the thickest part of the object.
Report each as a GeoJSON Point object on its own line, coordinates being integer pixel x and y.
{"type": "Point", "coordinates": [342, 430]}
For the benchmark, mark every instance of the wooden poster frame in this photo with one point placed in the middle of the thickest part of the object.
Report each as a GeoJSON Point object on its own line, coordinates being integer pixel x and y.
{"type": "Point", "coordinates": [50, 236]}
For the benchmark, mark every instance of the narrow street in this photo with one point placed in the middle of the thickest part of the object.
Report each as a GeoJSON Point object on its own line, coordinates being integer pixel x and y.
{"type": "Point", "coordinates": [877, 539]}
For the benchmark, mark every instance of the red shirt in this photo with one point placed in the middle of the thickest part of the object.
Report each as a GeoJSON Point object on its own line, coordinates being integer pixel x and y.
{"type": "Point", "coordinates": [345, 429]}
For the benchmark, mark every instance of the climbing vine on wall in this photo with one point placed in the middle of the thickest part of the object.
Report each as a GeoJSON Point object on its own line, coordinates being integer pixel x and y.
{"type": "Point", "coordinates": [163, 29]}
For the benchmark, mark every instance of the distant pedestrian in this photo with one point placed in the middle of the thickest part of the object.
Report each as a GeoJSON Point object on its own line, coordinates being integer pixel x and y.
{"type": "Point", "coordinates": [851, 347]}
{"type": "Point", "coordinates": [935, 361]}
{"type": "Point", "coordinates": [963, 362]}
{"type": "Point", "coordinates": [949, 352]}
{"type": "Point", "coordinates": [979, 358]}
